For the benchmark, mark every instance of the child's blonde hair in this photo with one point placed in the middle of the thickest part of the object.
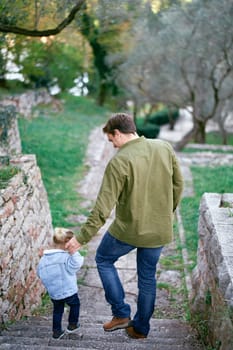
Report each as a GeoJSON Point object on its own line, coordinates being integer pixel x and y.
{"type": "Point", "coordinates": [62, 235]}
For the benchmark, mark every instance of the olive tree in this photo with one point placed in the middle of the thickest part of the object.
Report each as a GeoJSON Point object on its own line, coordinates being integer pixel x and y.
{"type": "Point", "coordinates": [21, 21]}
{"type": "Point", "coordinates": [37, 17]}
{"type": "Point", "coordinates": [104, 24]}
{"type": "Point", "coordinates": [183, 57]}
{"type": "Point", "coordinates": [100, 22]}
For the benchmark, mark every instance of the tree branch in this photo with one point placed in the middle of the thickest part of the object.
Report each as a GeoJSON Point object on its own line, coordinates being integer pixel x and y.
{"type": "Point", "coordinates": [47, 32]}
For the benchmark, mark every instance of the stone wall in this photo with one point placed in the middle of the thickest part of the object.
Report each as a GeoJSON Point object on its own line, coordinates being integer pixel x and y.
{"type": "Point", "coordinates": [9, 133]}
{"type": "Point", "coordinates": [22, 104]}
{"type": "Point", "coordinates": [25, 219]}
{"type": "Point", "coordinates": [212, 303]}
{"type": "Point", "coordinates": [25, 102]}
{"type": "Point", "coordinates": [25, 226]}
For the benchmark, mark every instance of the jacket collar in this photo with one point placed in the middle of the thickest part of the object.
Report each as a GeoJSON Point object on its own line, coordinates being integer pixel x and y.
{"type": "Point", "coordinates": [51, 251]}
{"type": "Point", "coordinates": [138, 139]}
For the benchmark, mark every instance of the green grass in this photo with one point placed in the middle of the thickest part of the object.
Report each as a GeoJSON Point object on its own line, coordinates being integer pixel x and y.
{"type": "Point", "coordinates": [212, 180]}
{"type": "Point", "coordinates": [193, 150]}
{"type": "Point", "coordinates": [208, 179]}
{"type": "Point", "coordinates": [214, 138]}
{"type": "Point", "coordinates": [6, 173]}
{"type": "Point", "coordinates": [59, 141]}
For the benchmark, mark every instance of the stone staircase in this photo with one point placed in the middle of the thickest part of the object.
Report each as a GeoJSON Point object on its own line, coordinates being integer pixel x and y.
{"type": "Point", "coordinates": [35, 334]}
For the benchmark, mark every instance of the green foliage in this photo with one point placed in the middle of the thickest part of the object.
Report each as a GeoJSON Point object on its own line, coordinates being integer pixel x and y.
{"type": "Point", "coordinates": [146, 129]}
{"type": "Point", "coordinates": [213, 179]}
{"type": "Point", "coordinates": [104, 28]}
{"type": "Point", "coordinates": [56, 62]}
{"type": "Point", "coordinates": [14, 86]}
{"type": "Point", "coordinates": [35, 61]}
{"type": "Point", "coordinates": [178, 296]}
{"type": "Point", "coordinates": [66, 64]}
{"type": "Point", "coordinates": [216, 139]}
{"type": "Point", "coordinates": [6, 173]}
{"type": "Point", "coordinates": [14, 11]}
{"type": "Point", "coordinates": [193, 150]}
{"type": "Point", "coordinates": [150, 126]}
{"type": "Point", "coordinates": [172, 262]}
{"type": "Point", "coordinates": [149, 130]}
{"type": "Point", "coordinates": [164, 116]}
{"type": "Point", "coordinates": [45, 307]}
{"type": "Point", "coordinates": [59, 142]}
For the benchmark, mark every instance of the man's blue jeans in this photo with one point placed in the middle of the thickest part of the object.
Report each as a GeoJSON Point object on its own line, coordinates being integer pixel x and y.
{"type": "Point", "coordinates": [108, 252]}
{"type": "Point", "coordinates": [58, 309]}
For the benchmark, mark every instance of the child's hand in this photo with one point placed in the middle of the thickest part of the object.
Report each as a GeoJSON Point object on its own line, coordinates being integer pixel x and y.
{"type": "Point", "coordinates": [73, 245]}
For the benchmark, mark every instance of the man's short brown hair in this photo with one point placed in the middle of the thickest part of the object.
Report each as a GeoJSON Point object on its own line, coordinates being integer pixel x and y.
{"type": "Point", "coordinates": [121, 121]}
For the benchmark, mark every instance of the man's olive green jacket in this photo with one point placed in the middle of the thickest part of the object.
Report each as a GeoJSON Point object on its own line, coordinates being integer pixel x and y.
{"type": "Point", "coordinates": [143, 182]}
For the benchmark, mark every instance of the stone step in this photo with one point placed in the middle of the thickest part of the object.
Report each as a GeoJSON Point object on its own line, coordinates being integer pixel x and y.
{"type": "Point", "coordinates": [102, 346]}
{"type": "Point", "coordinates": [118, 337]}
{"type": "Point", "coordinates": [158, 326]}
{"type": "Point", "coordinates": [36, 347]}
{"type": "Point", "coordinates": [173, 334]}
{"type": "Point", "coordinates": [97, 344]}
{"type": "Point", "coordinates": [35, 333]}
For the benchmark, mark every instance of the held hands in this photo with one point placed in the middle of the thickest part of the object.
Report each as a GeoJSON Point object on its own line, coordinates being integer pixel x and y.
{"type": "Point", "coordinates": [41, 251]}
{"type": "Point", "coordinates": [73, 245]}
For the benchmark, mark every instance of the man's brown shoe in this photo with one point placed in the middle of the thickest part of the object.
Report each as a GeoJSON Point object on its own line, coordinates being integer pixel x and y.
{"type": "Point", "coordinates": [133, 334]}
{"type": "Point", "coordinates": [116, 323]}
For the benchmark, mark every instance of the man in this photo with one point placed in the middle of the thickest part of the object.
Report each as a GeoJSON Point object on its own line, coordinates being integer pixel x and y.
{"type": "Point", "coordinates": [143, 182]}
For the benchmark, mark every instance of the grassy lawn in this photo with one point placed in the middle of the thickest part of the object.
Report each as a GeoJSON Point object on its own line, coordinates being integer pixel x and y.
{"type": "Point", "coordinates": [59, 141]}
{"type": "Point", "coordinates": [206, 179]}
{"type": "Point", "coordinates": [212, 138]}
{"type": "Point", "coordinates": [215, 138]}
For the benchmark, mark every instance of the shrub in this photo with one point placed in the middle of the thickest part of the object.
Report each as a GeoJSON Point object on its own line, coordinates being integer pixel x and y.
{"type": "Point", "coordinates": [148, 130]}
{"type": "Point", "coordinates": [164, 116]}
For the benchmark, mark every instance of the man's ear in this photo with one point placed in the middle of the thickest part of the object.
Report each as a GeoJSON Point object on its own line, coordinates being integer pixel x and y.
{"type": "Point", "coordinates": [117, 132]}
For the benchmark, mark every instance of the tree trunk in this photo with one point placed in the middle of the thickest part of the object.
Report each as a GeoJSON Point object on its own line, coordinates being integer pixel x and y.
{"type": "Point", "coordinates": [197, 134]}
{"type": "Point", "coordinates": [171, 123]}
{"type": "Point", "coordinates": [223, 134]}
{"type": "Point", "coordinates": [135, 111]}
{"type": "Point", "coordinates": [186, 138]}
{"type": "Point", "coordinates": [102, 94]}
{"type": "Point", "coordinates": [199, 131]}
{"type": "Point", "coordinates": [3, 83]}
{"type": "Point", "coordinates": [171, 120]}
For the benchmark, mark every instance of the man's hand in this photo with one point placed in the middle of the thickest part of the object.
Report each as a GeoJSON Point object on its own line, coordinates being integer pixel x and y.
{"type": "Point", "coordinates": [73, 245]}
{"type": "Point", "coordinates": [41, 251]}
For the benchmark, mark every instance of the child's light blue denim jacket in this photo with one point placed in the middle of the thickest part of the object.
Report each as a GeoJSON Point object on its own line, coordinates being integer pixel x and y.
{"type": "Point", "coordinates": [57, 270]}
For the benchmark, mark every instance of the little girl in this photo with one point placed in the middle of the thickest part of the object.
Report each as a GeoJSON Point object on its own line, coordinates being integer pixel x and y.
{"type": "Point", "coordinates": [57, 270]}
